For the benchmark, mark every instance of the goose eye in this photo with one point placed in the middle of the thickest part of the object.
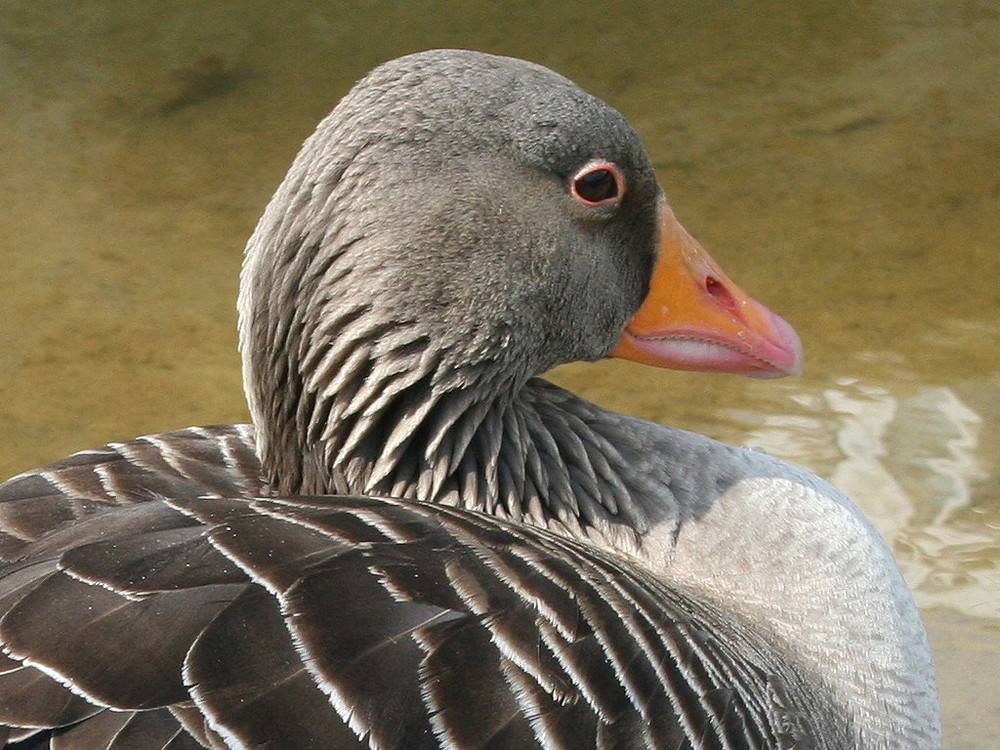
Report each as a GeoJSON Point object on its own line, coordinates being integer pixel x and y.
{"type": "Point", "coordinates": [598, 184]}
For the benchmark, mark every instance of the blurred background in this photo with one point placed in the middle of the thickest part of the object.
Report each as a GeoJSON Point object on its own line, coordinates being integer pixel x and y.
{"type": "Point", "coordinates": [841, 160]}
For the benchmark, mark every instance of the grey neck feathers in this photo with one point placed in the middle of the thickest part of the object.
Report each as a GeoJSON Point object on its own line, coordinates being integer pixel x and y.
{"type": "Point", "coordinates": [380, 415]}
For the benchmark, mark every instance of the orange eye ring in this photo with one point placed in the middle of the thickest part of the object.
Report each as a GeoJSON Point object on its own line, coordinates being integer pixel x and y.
{"type": "Point", "coordinates": [600, 183]}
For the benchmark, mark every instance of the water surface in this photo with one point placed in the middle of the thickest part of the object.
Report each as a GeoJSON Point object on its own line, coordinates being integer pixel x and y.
{"type": "Point", "coordinates": [841, 160]}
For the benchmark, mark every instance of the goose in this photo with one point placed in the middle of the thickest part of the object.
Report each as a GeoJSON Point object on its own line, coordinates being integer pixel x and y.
{"type": "Point", "coordinates": [420, 543]}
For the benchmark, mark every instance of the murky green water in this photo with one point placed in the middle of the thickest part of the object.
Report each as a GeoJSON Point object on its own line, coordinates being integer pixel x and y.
{"type": "Point", "coordinates": [842, 160]}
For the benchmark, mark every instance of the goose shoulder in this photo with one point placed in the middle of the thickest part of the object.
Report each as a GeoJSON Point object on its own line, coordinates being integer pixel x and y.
{"type": "Point", "coordinates": [197, 461]}
{"type": "Point", "coordinates": [399, 622]}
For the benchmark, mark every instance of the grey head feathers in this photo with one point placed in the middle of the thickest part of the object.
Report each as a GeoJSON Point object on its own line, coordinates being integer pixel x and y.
{"type": "Point", "coordinates": [423, 259]}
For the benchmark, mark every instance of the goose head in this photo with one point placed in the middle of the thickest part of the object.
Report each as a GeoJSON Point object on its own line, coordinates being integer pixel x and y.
{"type": "Point", "coordinates": [458, 224]}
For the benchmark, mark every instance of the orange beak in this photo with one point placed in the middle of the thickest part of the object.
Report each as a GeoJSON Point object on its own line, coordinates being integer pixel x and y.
{"type": "Point", "coordinates": [695, 318]}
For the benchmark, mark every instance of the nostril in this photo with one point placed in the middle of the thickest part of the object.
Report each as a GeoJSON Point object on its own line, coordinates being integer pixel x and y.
{"type": "Point", "coordinates": [720, 293]}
